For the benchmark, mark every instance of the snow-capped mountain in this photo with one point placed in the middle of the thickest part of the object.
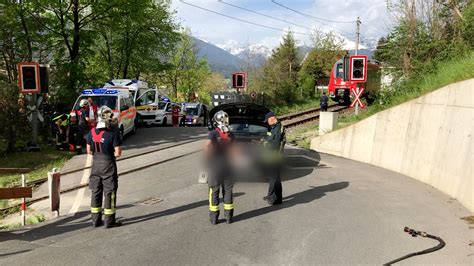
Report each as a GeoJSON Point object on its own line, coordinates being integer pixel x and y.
{"type": "Point", "coordinates": [233, 47]}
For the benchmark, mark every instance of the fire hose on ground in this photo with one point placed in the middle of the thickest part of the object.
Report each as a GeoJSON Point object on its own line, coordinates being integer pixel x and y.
{"type": "Point", "coordinates": [415, 233]}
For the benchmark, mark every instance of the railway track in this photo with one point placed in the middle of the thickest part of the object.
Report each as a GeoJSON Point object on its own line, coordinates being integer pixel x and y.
{"type": "Point", "coordinates": [300, 118]}
{"type": "Point", "coordinates": [39, 182]}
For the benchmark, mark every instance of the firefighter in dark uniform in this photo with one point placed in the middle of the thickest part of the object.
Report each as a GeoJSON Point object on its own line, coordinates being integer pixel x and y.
{"type": "Point", "coordinates": [103, 143]}
{"type": "Point", "coordinates": [218, 151]}
{"type": "Point", "coordinates": [323, 102]}
{"type": "Point", "coordinates": [273, 155]}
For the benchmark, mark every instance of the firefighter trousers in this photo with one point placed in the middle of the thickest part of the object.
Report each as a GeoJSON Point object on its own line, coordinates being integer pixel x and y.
{"type": "Point", "coordinates": [214, 192]}
{"type": "Point", "coordinates": [103, 184]}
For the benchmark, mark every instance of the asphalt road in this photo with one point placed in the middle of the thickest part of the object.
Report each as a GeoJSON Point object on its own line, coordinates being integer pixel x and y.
{"type": "Point", "coordinates": [335, 211]}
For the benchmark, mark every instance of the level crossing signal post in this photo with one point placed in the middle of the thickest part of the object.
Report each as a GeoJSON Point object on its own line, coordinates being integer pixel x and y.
{"type": "Point", "coordinates": [33, 80]}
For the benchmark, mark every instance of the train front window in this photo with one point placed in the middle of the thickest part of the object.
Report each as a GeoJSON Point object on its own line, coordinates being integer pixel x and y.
{"type": "Point", "coordinates": [340, 71]}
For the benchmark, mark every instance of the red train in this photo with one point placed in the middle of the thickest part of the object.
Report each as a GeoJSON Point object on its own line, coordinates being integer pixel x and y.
{"type": "Point", "coordinates": [340, 90]}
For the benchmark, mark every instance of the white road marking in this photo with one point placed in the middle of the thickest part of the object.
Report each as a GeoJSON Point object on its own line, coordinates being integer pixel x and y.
{"type": "Point", "coordinates": [80, 193]}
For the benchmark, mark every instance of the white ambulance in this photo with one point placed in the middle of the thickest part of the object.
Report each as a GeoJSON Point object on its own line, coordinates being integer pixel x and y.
{"type": "Point", "coordinates": [119, 100]}
{"type": "Point", "coordinates": [137, 87]}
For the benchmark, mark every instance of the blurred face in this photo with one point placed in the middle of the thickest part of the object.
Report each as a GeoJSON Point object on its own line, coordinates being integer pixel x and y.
{"type": "Point", "coordinates": [272, 120]}
{"type": "Point", "coordinates": [90, 100]}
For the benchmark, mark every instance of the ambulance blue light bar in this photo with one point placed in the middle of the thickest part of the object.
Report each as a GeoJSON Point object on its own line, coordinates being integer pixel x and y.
{"type": "Point", "coordinates": [99, 91]}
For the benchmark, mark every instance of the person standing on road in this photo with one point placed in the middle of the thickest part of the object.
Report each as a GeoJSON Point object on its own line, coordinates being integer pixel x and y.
{"type": "Point", "coordinates": [104, 144]}
{"type": "Point", "coordinates": [175, 116]}
{"type": "Point", "coordinates": [273, 150]}
{"type": "Point", "coordinates": [323, 102]}
{"type": "Point", "coordinates": [218, 151]}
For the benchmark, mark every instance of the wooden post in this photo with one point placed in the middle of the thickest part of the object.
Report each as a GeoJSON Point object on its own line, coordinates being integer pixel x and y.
{"type": "Point", "coordinates": [23, 202]}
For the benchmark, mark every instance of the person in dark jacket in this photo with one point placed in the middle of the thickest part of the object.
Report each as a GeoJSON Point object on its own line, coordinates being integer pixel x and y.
{"type": "Point", "coordinates": [103, 143]}
{"type": "Point", "coordinates": [323, 102]}
{"type": "Point", "coordinates": [273, 155]}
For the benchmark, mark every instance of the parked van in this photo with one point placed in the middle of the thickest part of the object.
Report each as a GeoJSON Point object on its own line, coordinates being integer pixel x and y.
{"type": "Point", "coordinates": [119, 100]}
{"type": "Point", "coordinates": [196, 114]}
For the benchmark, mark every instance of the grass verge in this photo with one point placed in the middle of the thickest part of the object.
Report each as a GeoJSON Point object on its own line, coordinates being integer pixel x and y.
{"type": "Point", "coordinates": [32, 219]}
{"type": "Point", "coordinates": [302, 135]}
{"type": "Point", "coordinates": [40, 163]}
{"type": "Point", "coordinates": [449, 72]}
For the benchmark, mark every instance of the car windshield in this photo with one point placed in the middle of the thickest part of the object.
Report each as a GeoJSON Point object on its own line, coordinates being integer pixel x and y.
{"type": "Point", "coordinates": [248, 129]}
{"type": "Point", "coordinates": [110, 101]}
{"type": "Point", "coordinates": [161, 105]}
{"type": "Point", "coordinates": [192, 111]}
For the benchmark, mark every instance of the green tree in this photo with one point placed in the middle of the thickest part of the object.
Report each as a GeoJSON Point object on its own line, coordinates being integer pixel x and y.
{"type": "Point", "coordinates": [186, 73]}
{"type": "Point", "coordinates": [134, 37]}
{"type": "Point", "coordinates": [69, 26]}
{"type": "Point", "coordinates": [327, 49]}
{"type": "Point", "coordinates": [279, 77]}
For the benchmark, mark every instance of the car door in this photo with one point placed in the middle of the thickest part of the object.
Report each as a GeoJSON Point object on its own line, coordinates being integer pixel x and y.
{"type": "Point", "coordinates": [168, 113]}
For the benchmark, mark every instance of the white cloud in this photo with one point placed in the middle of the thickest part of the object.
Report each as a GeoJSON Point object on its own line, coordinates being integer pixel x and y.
{"type": "Point", "coordinates": [220, 30]}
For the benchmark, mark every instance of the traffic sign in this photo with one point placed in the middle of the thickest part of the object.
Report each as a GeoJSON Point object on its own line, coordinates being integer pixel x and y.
{"type": "Point", "coordinates": [357, 95]}
{"type": "Point", "coordinates": [253, 94]}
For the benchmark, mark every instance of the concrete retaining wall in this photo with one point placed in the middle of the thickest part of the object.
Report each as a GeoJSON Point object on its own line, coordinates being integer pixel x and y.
{"type": "Point", "coordinates": [429, 139]}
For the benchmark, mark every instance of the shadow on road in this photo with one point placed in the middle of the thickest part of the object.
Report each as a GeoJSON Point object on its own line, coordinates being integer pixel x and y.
{"type": "Point", "coordinates": [302, 197]}
{"type": "Point", "coordinates": [182, 208]}
{"type": "Point", "coordinates": [154, 136]}
{"type": "Point", "coordinates": [14, 253]}
{"type": "Point", "coordinates": [78, 221]}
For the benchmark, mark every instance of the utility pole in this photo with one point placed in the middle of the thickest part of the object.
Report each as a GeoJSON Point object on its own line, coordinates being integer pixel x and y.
{"type": "Point", "coordinates": [358, 22]}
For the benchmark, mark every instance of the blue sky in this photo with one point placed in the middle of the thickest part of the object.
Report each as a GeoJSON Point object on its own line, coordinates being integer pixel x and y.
{"type": "Point", "coordinates": [221, 30]}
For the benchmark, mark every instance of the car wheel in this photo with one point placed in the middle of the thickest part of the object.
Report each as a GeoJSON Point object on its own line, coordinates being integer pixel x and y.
{"type": "Point", "coordinates": [165, 122]}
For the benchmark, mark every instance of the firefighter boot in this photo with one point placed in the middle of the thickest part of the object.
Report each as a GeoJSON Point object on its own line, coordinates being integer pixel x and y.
{"type": "Point", "coordinates": [111, 222]}
{"type": "Point", "coordinates": [229, 214]}
{"type": "Point", "coordinates": [97, 219]}
{"type": "Point", "coordinates": [214, 217]}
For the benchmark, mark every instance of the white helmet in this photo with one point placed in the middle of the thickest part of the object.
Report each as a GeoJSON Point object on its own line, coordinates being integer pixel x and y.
{"type": "Point", "coordinates": [83, 103]}
{"type": "Point", "coordinates": [104, 117]}
{"type": "Point", "coordinates": [221, 120]}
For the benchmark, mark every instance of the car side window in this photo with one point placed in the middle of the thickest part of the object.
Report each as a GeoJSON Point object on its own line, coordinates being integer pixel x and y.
{"type": "Point", "coordinates": [150, 97]}
{"type": "Point", "coordinates": [168, 108]}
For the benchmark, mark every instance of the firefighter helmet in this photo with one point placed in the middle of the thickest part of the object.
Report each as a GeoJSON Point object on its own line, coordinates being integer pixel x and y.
{"type": "Point", "coordinates": [83, 103]}
{"type": "Point", "coordinates": [104, 117]}
{"type": "Point", "coordinates": [221, 120]}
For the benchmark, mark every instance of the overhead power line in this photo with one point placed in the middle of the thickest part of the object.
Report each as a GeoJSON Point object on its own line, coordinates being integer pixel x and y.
{"type": "Point", "coordinates": [310, 16]}
{"type": "Point", "coordinates": [241, 20]}
{"type": "Point", "coordinates": [264, 15]}
{"type": "Point", "coordinates": [319, 20]}
{"type": "Point", "coordinates": [373, 28]}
